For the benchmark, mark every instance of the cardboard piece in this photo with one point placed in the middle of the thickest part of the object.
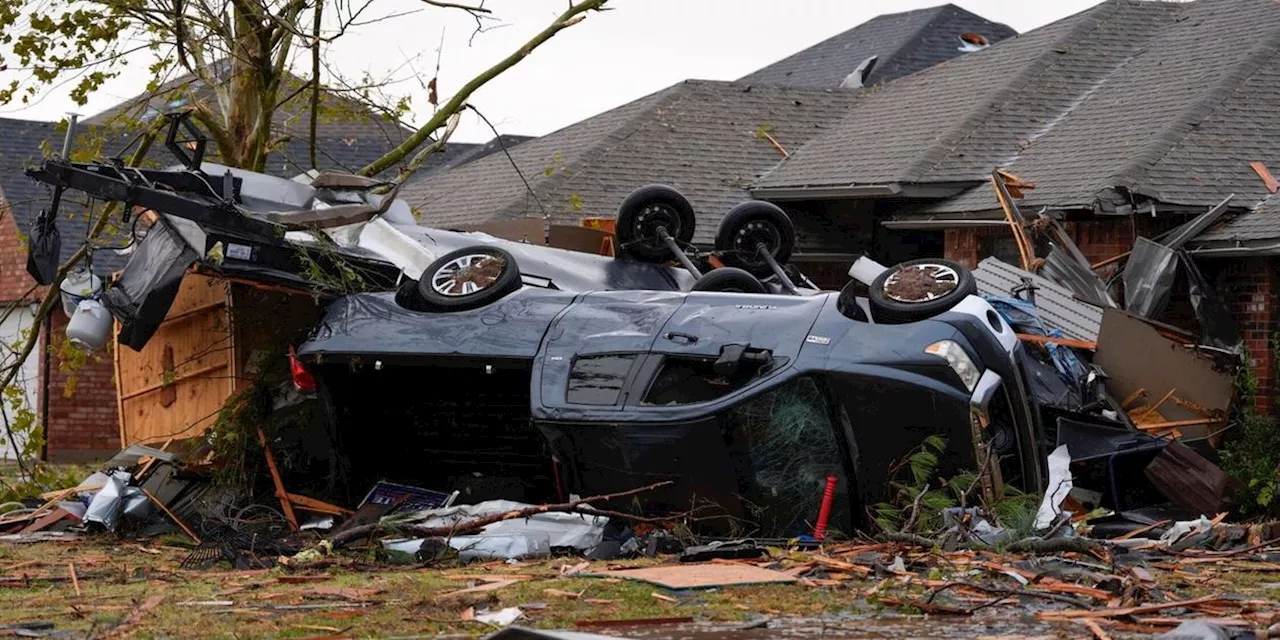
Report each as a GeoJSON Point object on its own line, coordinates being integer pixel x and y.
{"type": "Point", "coordinates": [700, 576]}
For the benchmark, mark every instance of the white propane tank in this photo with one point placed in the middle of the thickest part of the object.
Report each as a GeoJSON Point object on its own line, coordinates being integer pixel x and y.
{"type": "Point", "coordinates": [90, 326]}
{"type": "Point", "coordinates": [77, 286]}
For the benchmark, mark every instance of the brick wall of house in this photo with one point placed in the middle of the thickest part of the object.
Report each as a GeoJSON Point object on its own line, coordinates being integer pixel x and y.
{"type": "Point", "coordinates": [14, 279]}
{"type": "Point", "coordinates": [1249, 287]}
{"type": "Point", "coordinates": [83, 425]}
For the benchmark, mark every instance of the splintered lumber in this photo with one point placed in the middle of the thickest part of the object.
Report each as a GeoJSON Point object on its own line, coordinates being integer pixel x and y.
{"type": "Point", "coordinates": [1174, 424]}
{"type": "Point", "coordinates": [285, 504]}
{"type": "Point", "coordinates": [840, 565]}
{"type": "Point", "coordinates": [176, 520]}
{"type": "Point", "coordinates": [700, 576]}
{"type": "Point", "coordinates": [135, 616]}
{"type": "Point", "coordinates": [1065, 342]}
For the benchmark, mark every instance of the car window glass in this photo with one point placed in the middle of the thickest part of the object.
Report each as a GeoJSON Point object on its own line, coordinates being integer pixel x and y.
{"type": "Point", "coordinates": [598, 380]}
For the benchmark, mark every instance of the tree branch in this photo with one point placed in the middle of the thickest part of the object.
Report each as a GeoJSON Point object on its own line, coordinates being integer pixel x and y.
{"type": "Point", "coordinates": [451, 5]}
{"type": "Point", "coordinates": [574, 14]}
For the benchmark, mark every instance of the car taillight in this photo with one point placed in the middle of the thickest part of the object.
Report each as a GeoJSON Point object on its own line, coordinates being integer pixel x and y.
{"type": "Point", "coordinates": [302, 379]}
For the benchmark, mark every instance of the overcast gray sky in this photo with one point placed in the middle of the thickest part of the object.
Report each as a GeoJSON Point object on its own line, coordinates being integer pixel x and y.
{"type": "Point", "coordinates": [611, 58]}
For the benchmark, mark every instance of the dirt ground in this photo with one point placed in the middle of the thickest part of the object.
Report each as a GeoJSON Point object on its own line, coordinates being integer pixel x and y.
{"type": "Point", "coordinates": [135, 589]}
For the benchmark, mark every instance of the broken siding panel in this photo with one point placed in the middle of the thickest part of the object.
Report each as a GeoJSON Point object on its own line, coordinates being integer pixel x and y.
{"type": "Point", "coordinates": [1057, 305]}
{"type": "Point", "coordinates": [175, 386]}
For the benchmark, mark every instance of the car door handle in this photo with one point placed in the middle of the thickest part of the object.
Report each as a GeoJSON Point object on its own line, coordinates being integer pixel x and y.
{"type": "Point", "coordinates": [676, 336]}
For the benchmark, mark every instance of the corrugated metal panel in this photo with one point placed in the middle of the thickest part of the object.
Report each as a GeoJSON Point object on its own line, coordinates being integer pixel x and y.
{"type": "Point", "coordinates": [1058, 307]}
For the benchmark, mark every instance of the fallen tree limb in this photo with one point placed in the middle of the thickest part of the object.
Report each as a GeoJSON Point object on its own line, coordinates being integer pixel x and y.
{"type": "Point", "coordinates": [476, 524]}
{"type": "Point", "coordinates": [1004, 594]}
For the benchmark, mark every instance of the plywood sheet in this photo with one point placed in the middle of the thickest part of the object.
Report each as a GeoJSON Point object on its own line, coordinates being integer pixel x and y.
{"type": "Point", "coordinates": [174, 387]}
{"type": "Point", "coordinates": [701, 575]}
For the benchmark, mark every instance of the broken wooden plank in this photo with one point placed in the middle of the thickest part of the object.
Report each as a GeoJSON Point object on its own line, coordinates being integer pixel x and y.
{"type": "Point", "coordinates": [1267, 179]}
{"type": "Point", "coordinates": [283, 495]}
{"type": "Point", "coordinates": [840, 565]}
{"type": "Point", "coordinates": [1065, 342]}
{"type": "Point", "coordinates": [700, 576]}
{"type": "Point", "coordinates": [130, 621]}
{"type": "Point", "coordinates": [1174, 424]}
{"type": "Point", "coordinates": [176, 520]}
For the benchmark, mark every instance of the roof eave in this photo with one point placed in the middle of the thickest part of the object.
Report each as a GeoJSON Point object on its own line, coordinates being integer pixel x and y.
{"type": "Point", "coordinates": [1236, 248]}
{"type": "Point", "coordinates": [934, 190]}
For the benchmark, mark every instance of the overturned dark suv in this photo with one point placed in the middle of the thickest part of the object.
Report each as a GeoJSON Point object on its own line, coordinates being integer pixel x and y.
{"type": "Point", "coordinates": [749, 394]}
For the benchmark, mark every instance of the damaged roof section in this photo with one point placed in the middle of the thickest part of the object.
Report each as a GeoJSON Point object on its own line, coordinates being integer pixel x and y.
{"type": "Point", "coordinates": [707, 139]}
{"type": "Point", "coordinates": [1161, 101]}
{"type": "Point", "coordinates": [903, 43]}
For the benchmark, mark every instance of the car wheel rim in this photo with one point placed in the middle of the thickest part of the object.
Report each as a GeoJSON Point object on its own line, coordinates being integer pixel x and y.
{"type": "Point", "coordinates": [921, 283]}
{"type": "Point", "coordinates": [756, 233]}
{"type": "Point", "coordinates": [467, 275]}
{"type": "Point", "coordinates": [653, 217]}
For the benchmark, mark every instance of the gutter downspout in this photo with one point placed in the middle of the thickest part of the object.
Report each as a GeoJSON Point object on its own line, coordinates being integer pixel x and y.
{"type": "Point", "coordinates": [72, 118]}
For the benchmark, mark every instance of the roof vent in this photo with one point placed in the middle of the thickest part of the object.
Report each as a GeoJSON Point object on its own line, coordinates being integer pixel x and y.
{"type": "Point", "coordinates": [970, 41]}
{"type": "Point", "coordinates": [858, 78]}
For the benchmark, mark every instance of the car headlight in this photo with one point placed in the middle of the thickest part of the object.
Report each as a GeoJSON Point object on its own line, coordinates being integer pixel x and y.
{"type": "Point", "coordinates": [958, 360]}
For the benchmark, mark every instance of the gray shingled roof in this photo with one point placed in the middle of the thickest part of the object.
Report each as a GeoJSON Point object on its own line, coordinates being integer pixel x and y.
{"type": "Point", "coordinates": [1260, 224]}
{"type": "Point", "coordinates": [703, 138]}
{"type": "Point", "coordinates": [904, 43]}
{"type": "Point", "coordinates": [1166, 101]}
{"type": "Point", "coordinates": [350, 134]}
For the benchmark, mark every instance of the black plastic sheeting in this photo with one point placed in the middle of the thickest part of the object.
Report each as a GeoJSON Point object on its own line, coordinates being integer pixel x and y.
{"type": "Point", "coordinates": [1148, 278]}
{"type": "Point", "coordinates": [1217, 327]}
{"type": "Point", "coordinates": [142, 295]}
{"type": "Point", "coordinates": [44, 246]}
{"type": "Point", "coordinates": [1061, 267]}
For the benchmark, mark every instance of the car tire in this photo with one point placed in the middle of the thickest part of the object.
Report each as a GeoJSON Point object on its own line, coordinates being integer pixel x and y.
{"type": "Point", "coordinates": [748, 224]}
{"type": "Point", "coordinates": [467, 279]}
{"type": "Point", "coordinates": [643, 212]}
{"type": "Point", "coordinates": [912, 300]}
{"type": "Point", "coordinates": [729, 279]}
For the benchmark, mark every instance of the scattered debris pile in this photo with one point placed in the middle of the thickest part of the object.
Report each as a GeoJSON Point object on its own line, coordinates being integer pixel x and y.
{"type": "Point", "coordinates": [1115, 384]}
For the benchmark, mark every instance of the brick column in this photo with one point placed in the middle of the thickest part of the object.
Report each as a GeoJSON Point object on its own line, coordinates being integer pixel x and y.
{"type": "Point", "coordinates": [1250, 293]}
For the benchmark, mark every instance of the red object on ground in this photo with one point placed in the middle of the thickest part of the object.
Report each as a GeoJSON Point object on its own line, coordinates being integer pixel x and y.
{"type": "Point", "coordinates": [302, 378]}
{"type": "Point", "coordinates": [824, 514]}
